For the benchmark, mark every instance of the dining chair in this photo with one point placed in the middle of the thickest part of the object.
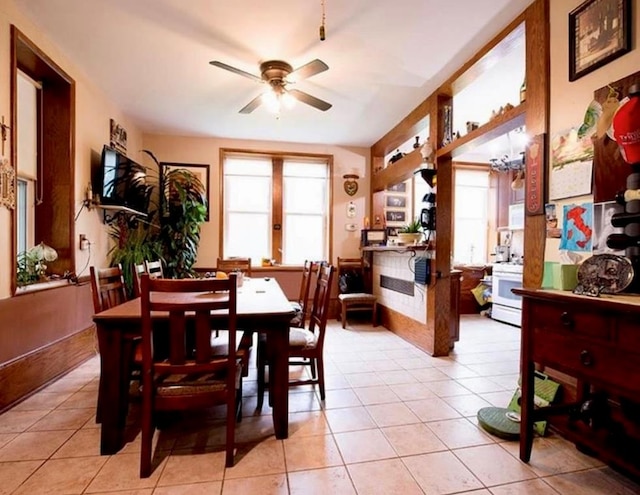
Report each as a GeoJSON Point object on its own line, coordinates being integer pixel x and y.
{"type": "Point", "coordinates": [229, 265]}
{"type": "Point", "coordinates": [138, 270]}
{"type": "Point", "coordinates": [301, 305]}
{"type": "Point", "coordinates": [306, 344]}
{"type": "Point", "coordinates": [354, 298]}
{"type": "Point", "coordinates": [108, 289]}
{"type": "Point", "coordinates": [154, 268]}
{"type": "Point", "coordinates": [235, 264]}
{"type": "Point", "coordinates": [191, 377]}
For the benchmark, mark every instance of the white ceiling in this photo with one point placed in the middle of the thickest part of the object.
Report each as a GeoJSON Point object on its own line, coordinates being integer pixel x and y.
{"type": "Point", "coordinates": [151, 57]}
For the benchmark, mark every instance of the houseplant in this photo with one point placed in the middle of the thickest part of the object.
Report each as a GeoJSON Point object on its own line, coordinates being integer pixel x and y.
{"type": "Point", "coordinates": [31, 264]}
{"type": "Point", "coordinates": [171, 231]}
{"type": "Point", "coordinates": [411, 233]}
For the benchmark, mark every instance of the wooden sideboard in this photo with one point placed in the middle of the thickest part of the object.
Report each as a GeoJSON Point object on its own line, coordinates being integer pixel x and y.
{"type": "Point", "coordinates": [596, 340]}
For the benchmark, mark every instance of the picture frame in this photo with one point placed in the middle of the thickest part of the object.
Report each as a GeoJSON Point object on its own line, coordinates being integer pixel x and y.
{"type": "Point", "coordinates": [201, 171]}
{"type": "Point", "coordinates": [400, 187]}
{"type": "Point", "coordinates": [396, 216]}
{"type": "Point", "coordinates": [118, 137]}
{"type": "Point", "coordinates": [599, 32]}
{"type": "Point", "coordinates": [396, 201]}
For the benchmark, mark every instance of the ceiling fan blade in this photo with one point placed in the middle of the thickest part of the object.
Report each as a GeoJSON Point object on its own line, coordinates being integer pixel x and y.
{"type": "Point", "coordinates": [307, 70]}
{"type": "Point", "coordinates": [240, 72]}
{"type": "Point", "coordinates": [309, 100]}
{"type": "Point", "coordinates": [252, 105]}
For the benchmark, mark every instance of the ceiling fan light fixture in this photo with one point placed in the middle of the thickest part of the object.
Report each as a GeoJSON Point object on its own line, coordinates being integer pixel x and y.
{"type": "Point", "coordinates": [288, 101]}
{"type": "Point", "coordinates": [271, 101]}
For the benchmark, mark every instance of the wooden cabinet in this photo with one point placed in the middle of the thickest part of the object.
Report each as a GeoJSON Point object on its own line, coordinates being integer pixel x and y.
{"type": "Point", "coordinates": [470, 277]}
{"type": "Point", "coordinates": [597, 342]}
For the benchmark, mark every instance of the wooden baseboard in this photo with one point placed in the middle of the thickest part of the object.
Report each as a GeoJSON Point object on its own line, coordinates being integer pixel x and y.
{"type": "Point", "coordinates": [409, 329]}
{"type": "Point", "coordinates": [23, 376]}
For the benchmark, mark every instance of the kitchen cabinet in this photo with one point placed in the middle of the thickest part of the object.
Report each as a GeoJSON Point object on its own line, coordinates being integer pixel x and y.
{"type": "Point", "coordinates": [470, 277]}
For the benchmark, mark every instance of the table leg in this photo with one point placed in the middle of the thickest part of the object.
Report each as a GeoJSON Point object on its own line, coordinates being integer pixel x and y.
{"type": "Point", "coordinates": [527, 393]}
{"type": "Point", "coordinates": [278, 355]}
{"type": "Point", "coordinates": [112, 400]}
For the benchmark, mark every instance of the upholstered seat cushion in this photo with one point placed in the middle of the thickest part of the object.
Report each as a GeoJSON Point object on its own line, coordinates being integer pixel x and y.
{"type": "Point", "coordinates": [357, 297]}
{"type": "Point", "coordinates": [302, 338]}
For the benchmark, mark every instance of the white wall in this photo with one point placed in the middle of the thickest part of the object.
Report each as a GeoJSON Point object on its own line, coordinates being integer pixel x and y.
{"type": "Point", "coordinates": [569, 100]}
{"type": "Point", "coordinates": [207, 151]}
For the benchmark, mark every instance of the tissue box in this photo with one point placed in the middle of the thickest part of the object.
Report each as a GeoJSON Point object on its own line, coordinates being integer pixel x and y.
{"type": "Point", "coordinates": [565, 277]}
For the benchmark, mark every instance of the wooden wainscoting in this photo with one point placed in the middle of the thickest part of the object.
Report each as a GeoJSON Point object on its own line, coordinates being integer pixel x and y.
{"type": "Point", "coordinates": [44, 334]}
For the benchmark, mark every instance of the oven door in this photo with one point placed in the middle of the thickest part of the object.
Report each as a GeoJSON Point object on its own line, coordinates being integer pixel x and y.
{"type": "Point", "coordinates": [501, 291]}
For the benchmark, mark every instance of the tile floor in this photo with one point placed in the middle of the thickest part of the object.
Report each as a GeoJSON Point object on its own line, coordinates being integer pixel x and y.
{"type": "Point", "coordinates": [395, 421]}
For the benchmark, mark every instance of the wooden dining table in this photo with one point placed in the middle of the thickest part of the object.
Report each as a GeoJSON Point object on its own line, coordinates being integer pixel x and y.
{"type": "Point", "coordinates": [261, 306]}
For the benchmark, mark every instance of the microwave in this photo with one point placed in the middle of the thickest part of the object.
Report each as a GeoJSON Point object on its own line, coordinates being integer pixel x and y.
{"type": "Point", "coordinates": [516, 216]}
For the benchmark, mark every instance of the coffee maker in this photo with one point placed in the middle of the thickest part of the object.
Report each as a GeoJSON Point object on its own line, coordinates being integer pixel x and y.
{"type": "Point", "coordinates": [503, 254]}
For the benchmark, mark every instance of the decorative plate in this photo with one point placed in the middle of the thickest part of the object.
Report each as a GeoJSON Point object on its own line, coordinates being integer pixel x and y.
{"type": "Point", "coordinates": [604, 274]}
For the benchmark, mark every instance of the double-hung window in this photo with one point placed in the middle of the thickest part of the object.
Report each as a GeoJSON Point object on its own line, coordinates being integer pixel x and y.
{"type": "Point", "coordinates": [276, 206]}
{"type": "Point", "coordinates": [471, 215]}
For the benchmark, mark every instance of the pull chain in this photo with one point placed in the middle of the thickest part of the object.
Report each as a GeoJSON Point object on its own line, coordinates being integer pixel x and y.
{"type": "Point", "coordinates": [322, 30]}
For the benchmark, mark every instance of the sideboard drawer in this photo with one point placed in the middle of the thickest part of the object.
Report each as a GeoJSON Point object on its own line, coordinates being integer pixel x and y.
{"type": "Point", "coordinates": [596, 362]}
{"type": "Point", "coordinates": [575, 321]}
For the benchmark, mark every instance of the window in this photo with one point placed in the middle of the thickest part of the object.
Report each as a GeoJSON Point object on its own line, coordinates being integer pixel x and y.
{"type": "Point", "coordinates": [471, 215]}
{"type": "Point", "coordinates": [43, 103]}
{"type": "Point", "coordinates": [276, 207]}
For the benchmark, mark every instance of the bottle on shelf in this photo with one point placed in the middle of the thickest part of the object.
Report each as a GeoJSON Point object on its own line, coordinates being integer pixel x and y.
{"type": "Point", "coordinates": [523, 91]}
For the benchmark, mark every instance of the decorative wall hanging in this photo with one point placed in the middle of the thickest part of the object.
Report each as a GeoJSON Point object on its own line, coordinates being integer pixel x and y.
{"type": "Point", "coordinates": [535, 164]}
{"type": "Point", "coordinates": [7, 174]}
{"type": "Point", "coordinates": [599, 32]}
{"type": "Point", "coordinates": [350, 184]}
{"type": "Point", "coordinates": [199, 171]}
{"type": "Point", "coordinates": [118, 137]}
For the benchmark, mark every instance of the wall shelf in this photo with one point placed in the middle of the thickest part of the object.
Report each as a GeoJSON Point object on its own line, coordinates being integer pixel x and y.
{"type": "Point", "coordinates": [508, 121]}
{"type": "Point", "coordinates": [111, 212]}
{"type": "Point", "coordinates": [397, 172]}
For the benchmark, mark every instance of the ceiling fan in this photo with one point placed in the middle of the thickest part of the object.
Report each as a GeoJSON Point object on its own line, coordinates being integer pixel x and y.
{"type": "Point", "coordinates": [278, 75]}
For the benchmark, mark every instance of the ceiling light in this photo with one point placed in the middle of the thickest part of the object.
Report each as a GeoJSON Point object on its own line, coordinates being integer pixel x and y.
{"type": "Point", "coordinates": [277, 98]}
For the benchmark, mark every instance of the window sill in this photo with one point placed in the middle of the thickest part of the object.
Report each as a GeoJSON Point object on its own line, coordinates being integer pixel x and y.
{"type": "Point", "coordinates": [51, 284]}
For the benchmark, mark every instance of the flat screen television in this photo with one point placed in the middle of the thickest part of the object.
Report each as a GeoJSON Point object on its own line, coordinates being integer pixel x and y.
{"type": "Point", "coordinates": [124, 182]}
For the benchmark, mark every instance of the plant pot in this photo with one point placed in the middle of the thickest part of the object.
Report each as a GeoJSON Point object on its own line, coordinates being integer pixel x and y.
{"type": "Point", "coordinates": [409, 238]}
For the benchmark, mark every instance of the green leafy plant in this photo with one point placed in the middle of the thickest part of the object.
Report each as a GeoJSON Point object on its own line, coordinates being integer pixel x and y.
{"type": "Point", "coordinates": [31, 267]}
{"type": "Point", "coordinates": [171, 231]}
{"type": "Point", "coordinates": [184, 210]}
{"type": "Point", "coordinates": [413, 227]}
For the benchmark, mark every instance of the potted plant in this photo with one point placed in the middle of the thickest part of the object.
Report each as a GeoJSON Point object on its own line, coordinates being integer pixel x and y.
{"type": "Point", "coordinates": [411, 233]}
{"type": "Point", "coordinates": [31, 264]}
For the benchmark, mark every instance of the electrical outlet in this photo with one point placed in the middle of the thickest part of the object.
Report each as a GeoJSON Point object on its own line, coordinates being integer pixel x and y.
{"type": "Point", "coordinates": [84, 242]}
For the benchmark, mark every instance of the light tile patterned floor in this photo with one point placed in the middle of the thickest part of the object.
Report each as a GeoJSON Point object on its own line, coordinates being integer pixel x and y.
{"type": "Point", "coordinates": [395, 421]}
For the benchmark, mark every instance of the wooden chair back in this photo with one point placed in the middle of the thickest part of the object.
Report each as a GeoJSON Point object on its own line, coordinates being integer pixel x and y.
{"type": "Point", "coordinates": [303, 296]}
{"type": "Point", "coordinates": [229, 265]}
{"type": "Point", "coordinates": [321, 302]}
{"type": "Point", "coordinates": [190, 377]}
{"type": "Point", "coordinates": [352, 264]}
{"type": "Point", "coordinates": [107, 287]}
{"type": "Point", "coordinates": [138, 270]}
{"type": "Point", "coordinates": [154, 269]}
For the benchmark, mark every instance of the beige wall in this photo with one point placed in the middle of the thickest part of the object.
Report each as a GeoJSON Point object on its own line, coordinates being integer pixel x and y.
{"type": "Point", "coordinates": [93, 111]}
{"type": "Point", "coordinates": [206, 151]}
{"type": "Point", "coordinates": [569, 100]}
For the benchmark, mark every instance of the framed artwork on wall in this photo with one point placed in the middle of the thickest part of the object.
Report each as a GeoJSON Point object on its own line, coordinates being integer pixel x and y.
{"type": "Point", "coordinates": [599, 32]}
{"type": "Point", "coordinates": [200, 171]}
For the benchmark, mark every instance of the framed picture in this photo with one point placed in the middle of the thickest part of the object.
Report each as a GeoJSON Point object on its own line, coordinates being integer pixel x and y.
{"type": "Point", "coordinates": [397, 201]}
{"type": "Point", "coordinates": [398, 216]}
{"type": "Point", "coordinates": [392, 231]}
{"type": "Point", "coordinates": [599, 32]}
{"type": "Point", "coordinates": [399, 187]}
{"type": "Point", "coordinates": [118, 137]}
{"type": "Point", "coordinates": [201, 171]}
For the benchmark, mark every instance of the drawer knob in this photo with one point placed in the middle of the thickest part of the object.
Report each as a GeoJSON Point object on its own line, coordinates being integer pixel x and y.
{"type": "Point", "coordinates": [586, 358]}
{"type": "Point", "coordinates": [566, 320]}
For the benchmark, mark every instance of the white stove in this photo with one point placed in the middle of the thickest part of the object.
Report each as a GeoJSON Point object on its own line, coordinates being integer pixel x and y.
{"type": "Point", "coordinates": [507, 306]}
